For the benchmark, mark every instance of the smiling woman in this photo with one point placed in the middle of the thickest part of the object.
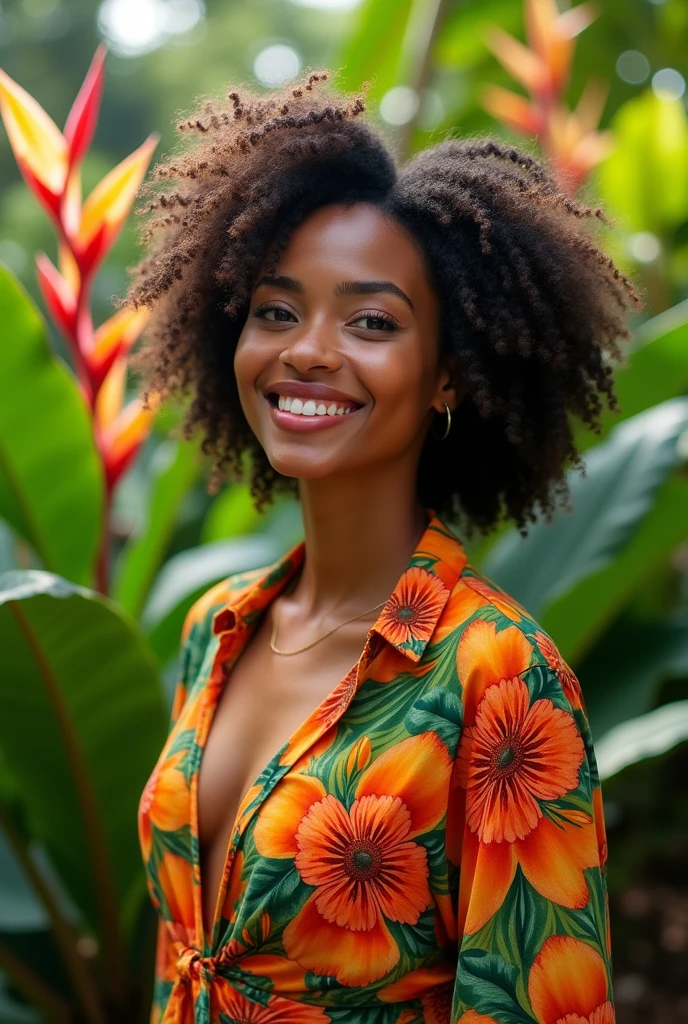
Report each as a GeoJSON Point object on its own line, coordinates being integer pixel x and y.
{"type": "Point", "coordinates": [378, 802]}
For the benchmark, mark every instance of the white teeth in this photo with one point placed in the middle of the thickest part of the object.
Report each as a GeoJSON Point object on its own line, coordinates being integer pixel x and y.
{"type": "Point", "coordinates": [309, 407]}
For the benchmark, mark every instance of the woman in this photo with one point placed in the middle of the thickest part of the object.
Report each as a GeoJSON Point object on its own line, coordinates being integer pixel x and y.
{"type": "Point", "coordinates": [378, 802]}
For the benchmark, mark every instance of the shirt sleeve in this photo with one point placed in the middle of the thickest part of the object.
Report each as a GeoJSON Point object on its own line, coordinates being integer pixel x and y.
{"type": "Point", "coordinates": [528, 836]}
{"type": "Point", "coordinates": [193, 642]}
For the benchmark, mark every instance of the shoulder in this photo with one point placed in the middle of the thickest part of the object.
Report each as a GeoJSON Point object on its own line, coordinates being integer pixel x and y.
{"type": "Point", "coordinates": [496, 638]}
{"type": "Point", "coordinates": [200, 615]}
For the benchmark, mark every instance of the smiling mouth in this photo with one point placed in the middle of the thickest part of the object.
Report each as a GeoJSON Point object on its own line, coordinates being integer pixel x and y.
{"type": "Point", "coordinates": [310, 407]}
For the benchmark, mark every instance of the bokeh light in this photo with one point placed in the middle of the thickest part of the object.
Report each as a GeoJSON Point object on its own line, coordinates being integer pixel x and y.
{"type": "Point", "coordinates": [632, 67]}
{"type": "Point", "coordinates": [276, 64]}
{"type": "Point", "coordinates": [668, 84]}
{"type": "Point", "coordinates": [644, 247]}
{"type": "Point", "coordinates": [133, 27]}
{"type": "Point", "coordinates": [399, 105]}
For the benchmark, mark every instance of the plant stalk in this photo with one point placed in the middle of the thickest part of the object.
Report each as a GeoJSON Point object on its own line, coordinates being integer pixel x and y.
{"type": "Point", "coordinates": [51, 1005]}
{"type": "Point", "coordinates": [63, 932]}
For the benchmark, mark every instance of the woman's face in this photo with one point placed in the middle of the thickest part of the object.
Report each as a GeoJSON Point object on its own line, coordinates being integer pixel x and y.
{"type": "Point", "coordinates": [345, 336]}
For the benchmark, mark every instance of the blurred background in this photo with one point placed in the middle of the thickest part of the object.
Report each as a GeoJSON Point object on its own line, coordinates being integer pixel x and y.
{"type": "Point", "coordinates": [101, 494]}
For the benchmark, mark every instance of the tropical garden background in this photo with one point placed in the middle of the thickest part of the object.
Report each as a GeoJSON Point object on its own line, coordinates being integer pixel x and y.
{"type": "Point", "coordinates": [107, 532]}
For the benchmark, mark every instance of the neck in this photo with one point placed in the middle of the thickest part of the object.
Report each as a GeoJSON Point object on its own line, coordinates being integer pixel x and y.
{"type": "Point", "coordinates": [359, 536]}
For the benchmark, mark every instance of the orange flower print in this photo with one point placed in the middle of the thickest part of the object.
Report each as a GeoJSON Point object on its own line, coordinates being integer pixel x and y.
{"type": "Point", "coordinates": [361, 861]}
{"type": "Point", "coordinates": [417, 982]}
{"type": "Point", "coordinates": [174, 875]}
{"type": "Point", "coordinates": [486, 656]}
{"type": "Point", "coordinates": [471, 1017]}
{"type": "Point", "coordinates": [567, 676]}
{"type": "Point", "coordinates": [338, 701]}
{"type": "Point", "coordinates": [412, 610]}
{"type": "Point", "coordinates": [165, 951]}
{"type": "Point", "coordinates": [568, 984]}
{"type": "Point", "coordinates": [240, 1010]}
{"type": "Point", "coordinates": [515, 757]}
{"type": "Point", "coordinates": [437, 1004]}
{"type": "Point", "coordinates": [507, 605]}
{"type": "Point", "coordinates": [164, 801]}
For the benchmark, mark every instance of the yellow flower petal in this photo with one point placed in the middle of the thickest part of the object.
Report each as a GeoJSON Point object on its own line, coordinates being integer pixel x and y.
{"type": "Point", "coordinates": [111, 395]}
{"type": "Point", "coordinates": [36, 141]}
{"type": "Point", "coordinates": [511, 109]}
{"type": "Point", "coordinates": [124, 327]}
{"type": "Point", "coordinates": [526, 66]}
{"type": "Point", "coordinates": [110, 202]}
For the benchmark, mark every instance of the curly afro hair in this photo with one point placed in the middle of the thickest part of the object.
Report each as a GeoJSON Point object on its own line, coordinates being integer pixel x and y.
{"type": "Point", "coordinates": [530, 308]}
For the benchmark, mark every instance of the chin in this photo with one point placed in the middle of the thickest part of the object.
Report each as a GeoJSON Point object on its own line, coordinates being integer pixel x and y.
{"type": "Point", "coordinates": [300, 470]}
{"type": "Point", "coordinates": [302, 467]}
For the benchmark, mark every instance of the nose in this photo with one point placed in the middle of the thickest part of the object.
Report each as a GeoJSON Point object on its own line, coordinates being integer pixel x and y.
{"type": "Point", "coordinates": [312, 348]}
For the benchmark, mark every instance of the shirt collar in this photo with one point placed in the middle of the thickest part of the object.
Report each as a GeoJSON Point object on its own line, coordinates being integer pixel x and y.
{"type": "Point", "coordinates": [407, 620]}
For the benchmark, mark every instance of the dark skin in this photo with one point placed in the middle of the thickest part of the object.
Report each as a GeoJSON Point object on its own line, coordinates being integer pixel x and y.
{"type": "Point", "coordinates": [357, 485]}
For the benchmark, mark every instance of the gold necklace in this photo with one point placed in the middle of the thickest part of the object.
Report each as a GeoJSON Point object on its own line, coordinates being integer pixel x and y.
{"type": "Point", "coordinates": [360, 615]}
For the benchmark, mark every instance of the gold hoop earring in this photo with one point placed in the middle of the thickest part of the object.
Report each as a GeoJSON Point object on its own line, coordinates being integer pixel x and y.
{"type": "Point", "coordinates": [448, 427]}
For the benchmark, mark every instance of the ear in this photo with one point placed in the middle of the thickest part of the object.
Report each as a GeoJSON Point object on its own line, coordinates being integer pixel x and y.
{"type": "Point", "coordinates": [450, 386]}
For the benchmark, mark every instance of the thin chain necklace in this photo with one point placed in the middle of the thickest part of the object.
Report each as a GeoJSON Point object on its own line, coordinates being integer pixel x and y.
{"type": "Point", "coordinates": [278, 650]}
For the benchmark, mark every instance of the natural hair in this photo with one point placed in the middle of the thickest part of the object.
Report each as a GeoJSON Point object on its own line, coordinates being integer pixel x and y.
{"type": "Point", "coordinates": [530, 308]}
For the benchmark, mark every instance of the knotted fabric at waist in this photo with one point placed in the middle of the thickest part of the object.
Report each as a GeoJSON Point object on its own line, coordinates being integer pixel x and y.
{"type": "Point", "coordinates": [191, 1000]}
{"type": "Point", "coordinates": [191, 964]}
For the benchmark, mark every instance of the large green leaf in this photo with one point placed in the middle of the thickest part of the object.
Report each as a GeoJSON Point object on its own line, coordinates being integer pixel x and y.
{"type": "Point", "coordinates": [579, 617]}
{"type": "Point", "coordinates": [82, 720]}
{"type": "Point", "coordinates": [51, 485]}
{"type": "Point", "coordinates": [373, 49]}
{"type": "Point", "coordinates": [649, 735]}
{"type": "Point", "coordinates": [657, 369]}
{"type": "Point", "coordinates": [176, 468]}
{"type": "Point", "coordinates": [622, 674]}
{"type": "Point", "coordinates": [622, 478]}
{"type": "Point", "coordinates": [187, 575]}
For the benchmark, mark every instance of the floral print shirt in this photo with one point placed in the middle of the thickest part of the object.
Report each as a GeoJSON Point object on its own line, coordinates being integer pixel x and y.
{"type": "Point", "coordinates": [427, 848]}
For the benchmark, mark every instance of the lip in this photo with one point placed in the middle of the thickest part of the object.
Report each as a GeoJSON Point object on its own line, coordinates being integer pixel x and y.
{"type": "Point", "coordinates": [304, 424]}
{"type": "Point", "coordinates": [309, 389]}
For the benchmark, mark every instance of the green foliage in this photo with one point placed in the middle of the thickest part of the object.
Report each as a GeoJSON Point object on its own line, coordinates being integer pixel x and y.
{"type": "Point", "coordinates": [176, 470]}
{"type": "Point", "coordinates": [82, 731]}
{"type": "Point", "coordinates": [622, 478]}
{"type": "Point", "coordinates": [51, 488]}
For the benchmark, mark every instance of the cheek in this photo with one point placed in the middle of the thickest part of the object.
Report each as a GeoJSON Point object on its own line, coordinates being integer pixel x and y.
{"type": "Point", "coordinates": [247, 367]}
{"type": "Point", "coordinates": [247, 363]}
{"type": "Point", "coordinates": [400, 380]}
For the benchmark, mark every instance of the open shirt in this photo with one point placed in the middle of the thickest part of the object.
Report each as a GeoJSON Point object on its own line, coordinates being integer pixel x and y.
{"type": "Point", "coordinates": [427, 848]}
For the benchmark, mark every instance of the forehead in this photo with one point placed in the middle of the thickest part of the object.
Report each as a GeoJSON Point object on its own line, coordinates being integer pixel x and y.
{"type": "Point", "coordinates": [356, 241]}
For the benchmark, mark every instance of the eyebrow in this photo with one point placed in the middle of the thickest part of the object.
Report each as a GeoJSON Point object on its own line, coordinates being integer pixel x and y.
{"type": "Point", "coordinates": [343, 288]}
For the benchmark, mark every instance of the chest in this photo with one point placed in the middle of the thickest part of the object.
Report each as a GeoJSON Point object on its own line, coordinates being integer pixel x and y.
{"type": "Point", "coordinates": [265, 699]}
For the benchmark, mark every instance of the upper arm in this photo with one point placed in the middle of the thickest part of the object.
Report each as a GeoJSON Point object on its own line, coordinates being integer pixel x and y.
{"type": "Point", "coordinates": [529, 836]}
{"type": "Point", "coordinates": [194, 639]}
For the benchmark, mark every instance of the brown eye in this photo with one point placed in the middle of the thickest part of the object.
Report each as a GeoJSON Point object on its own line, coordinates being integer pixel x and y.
{"type": "Point", "coordinates": [262, 312]}
{"type": "Point", "coordinates": [375, 320]}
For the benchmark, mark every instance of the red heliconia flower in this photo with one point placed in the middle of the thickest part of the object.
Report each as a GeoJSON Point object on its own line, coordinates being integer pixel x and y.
{"type": "Point", "coordinates": [50, 161]}
{"type": "Point", "coordinates": [570, 139]}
